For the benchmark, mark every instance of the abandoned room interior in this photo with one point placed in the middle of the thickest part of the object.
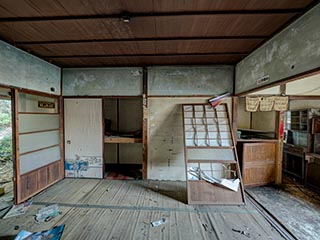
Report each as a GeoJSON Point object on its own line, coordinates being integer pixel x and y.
{"type": "Point", "coordinates": [160, 119]}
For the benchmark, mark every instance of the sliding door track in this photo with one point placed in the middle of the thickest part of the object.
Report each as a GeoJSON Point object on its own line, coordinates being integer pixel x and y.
{"type": "Point", "coordinates": [283, 230]}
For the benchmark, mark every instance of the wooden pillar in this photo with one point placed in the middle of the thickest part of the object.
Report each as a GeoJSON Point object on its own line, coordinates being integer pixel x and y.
{"type": "Point", "coordinates": [145, 125]}
{"type": "Point", "coordinates": [235, 118]}
{"type": "Point", "coordinates": [61, 119]}
{"type": "Point", "coordinates": [15, 146]}
{"type": "Point", "coordinates": [279, 135]}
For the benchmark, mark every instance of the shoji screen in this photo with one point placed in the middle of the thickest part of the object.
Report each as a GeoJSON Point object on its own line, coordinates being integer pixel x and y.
{"type": "Point", "coordinates": [39, 157]}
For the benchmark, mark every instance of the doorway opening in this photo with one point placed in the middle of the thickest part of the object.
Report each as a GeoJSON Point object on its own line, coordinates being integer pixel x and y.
{"type": "Point", "coordinates": [6, 154]}
{"type": "Point", "coordinates": [123, 138]}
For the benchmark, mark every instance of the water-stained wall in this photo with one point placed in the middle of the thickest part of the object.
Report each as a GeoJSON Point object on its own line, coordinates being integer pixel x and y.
{"type": "Point", "coordinates": [293, 51]}
{"type": "Point", "coordinates": [102, 81]}
{"type": "Point", "coordinates": [23, 70]}
{"type": "Point", "coordinates": [190, 80]}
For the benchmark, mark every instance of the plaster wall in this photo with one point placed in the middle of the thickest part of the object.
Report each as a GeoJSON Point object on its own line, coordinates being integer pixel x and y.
{"type": "Point", "coordinates": [23, 70]}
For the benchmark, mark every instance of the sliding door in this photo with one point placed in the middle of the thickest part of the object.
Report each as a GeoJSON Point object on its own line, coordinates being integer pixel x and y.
{"type": "Point", "coordinates": [39, 158]}
{"type": "Point", "coordinates": [83, 138]}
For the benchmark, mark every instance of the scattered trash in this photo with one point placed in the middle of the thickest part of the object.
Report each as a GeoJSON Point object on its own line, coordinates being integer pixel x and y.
{"type": "Point", "coordinates": [197, 173]}
{"type": "Point", "coordinates": [16, 227]}
{"type": "Point", "coordinates": [17, 210]}
{"type": "Point", "coordinates": [54, 233]}
{"type": "Point", "coordinates": [158, 223]}
{"type": "Point", "coordinates": [242, 232]}
{"type": "Point", "coordinates": [206, 227]}
{"type": "Point", "coordinates": [46, 214]}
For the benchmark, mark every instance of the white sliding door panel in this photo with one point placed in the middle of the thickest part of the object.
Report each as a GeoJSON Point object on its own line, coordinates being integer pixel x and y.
{"type": "Point", "coordinates": [34, 141]}
{"type": "Point", "coordinates": [83, 138]}
{"type": "Point", "coordinates": [38, 122]}
{"type": "Point", "coordinates": [39, 159]}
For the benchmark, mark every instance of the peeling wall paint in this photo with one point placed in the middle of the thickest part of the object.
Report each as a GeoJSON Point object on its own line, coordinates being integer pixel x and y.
{"type": "Point", "coordinates": [166, 148]}
{"type": "Point", "coordinates": [190, 80]}
{"type": "Point", "coordinates": [23, 70]}
{"type": "Point", "coordinates": [293, 51]}
{"type": "Point", "coordinates": [102, 81]}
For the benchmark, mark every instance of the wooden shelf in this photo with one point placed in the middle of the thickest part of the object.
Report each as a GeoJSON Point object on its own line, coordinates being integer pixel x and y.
{"type": "Point", "coordinates": [115, 139]}
{"type": "Point", "coordinates": [211, 161]}
{"type": "Point", "coordinates": [256, 140]}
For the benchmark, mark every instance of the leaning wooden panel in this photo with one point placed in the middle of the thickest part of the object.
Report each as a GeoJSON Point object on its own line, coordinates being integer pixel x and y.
{"type": "Point", "coordinates": [212, 168]}
{"type": "Point", "coordinates": [202, 192]}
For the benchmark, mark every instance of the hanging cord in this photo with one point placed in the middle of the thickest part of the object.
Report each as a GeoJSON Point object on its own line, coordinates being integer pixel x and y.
{"type": "Point", "coordinates": [205, 123]}
{"type": "Point", "coordinates": [194, 126]}
{"type": "Point", "coordinates": [218, 128]}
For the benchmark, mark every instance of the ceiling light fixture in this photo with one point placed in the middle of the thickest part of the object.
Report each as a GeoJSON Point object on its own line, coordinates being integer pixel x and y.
{"type": "Point", "coordinates": [126, 18]}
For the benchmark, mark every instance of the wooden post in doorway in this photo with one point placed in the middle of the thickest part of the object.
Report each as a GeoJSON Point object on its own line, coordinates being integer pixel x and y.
{"type": "Point", "coordinates": [145, 125]}
{"type": "Point", "coordinates": [235, 118]}
{"type": "Point", "coordinates": [279, 135]}
{"type": "Point", "coordinates": [15, 145]}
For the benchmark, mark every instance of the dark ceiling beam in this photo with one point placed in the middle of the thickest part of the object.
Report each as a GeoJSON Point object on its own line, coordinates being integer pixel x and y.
{"type": "Point", "coordinates": [143, 14]}
{"type": "Point", "coordinates": [145, 55]}
{"type": "Point", "coordinates": [140, 40]}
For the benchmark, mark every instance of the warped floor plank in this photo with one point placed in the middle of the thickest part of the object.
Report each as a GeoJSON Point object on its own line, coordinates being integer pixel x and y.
{"type": "Point", "coordinates": [113, 209]}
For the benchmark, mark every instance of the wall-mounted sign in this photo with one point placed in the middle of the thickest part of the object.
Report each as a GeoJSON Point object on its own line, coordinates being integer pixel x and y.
{"type": "Point", "coordinates": [262, 80]}
{"type": "Point", "coordinates": [43, 104]}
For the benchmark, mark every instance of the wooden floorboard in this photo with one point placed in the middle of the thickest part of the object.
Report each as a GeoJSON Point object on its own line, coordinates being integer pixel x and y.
{"type": "Point", "coordinates": [113, 209]}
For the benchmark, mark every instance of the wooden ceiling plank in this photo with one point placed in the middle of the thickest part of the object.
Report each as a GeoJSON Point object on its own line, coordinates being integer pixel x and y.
{"type": "Point", "coordinates": [145, 47]}
{"type": "Point", "coordinates": [211, 26]}
{"type": "Point", "coordinates": [18, 8]}
{"type": "Point", "coordinates": [146, 61]}
{"type": "Point", "coordinates": [147, 15]}
{"type": "Point", "coordinates": [144, 55]}
{"type": "Point", "coordinates": [121, 40]}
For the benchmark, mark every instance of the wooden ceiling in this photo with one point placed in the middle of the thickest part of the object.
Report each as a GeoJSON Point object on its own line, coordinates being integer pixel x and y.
{"type": "Point", "coordinates": [92, 33]}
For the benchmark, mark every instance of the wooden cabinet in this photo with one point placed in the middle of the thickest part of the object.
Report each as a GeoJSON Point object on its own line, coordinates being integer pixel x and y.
{"type": "Point", "coordinates": [258, 161]}
{"type": "Point", "coordinates": [293, 161]}
{"type": "Point", "coordinates": [297, 120]}
{"type": "Point", "coordinates": [301, 138]}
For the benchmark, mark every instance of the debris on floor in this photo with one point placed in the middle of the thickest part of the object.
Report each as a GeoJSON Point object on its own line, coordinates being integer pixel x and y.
{"type": "Point", "coordinates": [247, 234]}
{"type": "Point", "coordinates": [17, 210]}
{"type": "Point", "coordinates": [54, 233]}
{"type": "Point", "coordinates": [46, 214]}
{"type": "Point", "coordinates": [206, 228]}
{"type": "Point", "coordinates": [158, 223]}
{"type": "Point", "coordinates": [197, 173]}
